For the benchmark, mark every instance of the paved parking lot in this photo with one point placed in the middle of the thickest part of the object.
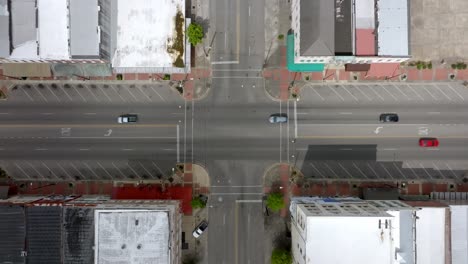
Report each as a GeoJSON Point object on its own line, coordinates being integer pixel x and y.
{"type": "Point", "coordinates": [73, 170]}
{"type": "Point", "coordinates": [385, 92]}
{"type": "Point", "coordinates": [88, 92]}
{"type": "Point", "coordinates": [371, 170]}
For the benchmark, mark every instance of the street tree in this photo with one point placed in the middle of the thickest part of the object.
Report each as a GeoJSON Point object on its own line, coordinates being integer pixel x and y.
{"type": "Point", "coordinates": [195, 33]}
{"type": "Point", "coordinates": [281, 256]}
{"type": "Point", "coordinates": [275, 201]}
{"type": "Point", "coordinates": [198, 202]}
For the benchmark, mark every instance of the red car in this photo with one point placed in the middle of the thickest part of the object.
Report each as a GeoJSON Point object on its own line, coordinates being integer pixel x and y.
{"type": "Point", "coordinates": [428, 142]}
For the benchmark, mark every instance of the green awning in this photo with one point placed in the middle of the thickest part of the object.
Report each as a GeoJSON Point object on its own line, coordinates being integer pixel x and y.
{"type": "Point", "coordinates": [302, 67]}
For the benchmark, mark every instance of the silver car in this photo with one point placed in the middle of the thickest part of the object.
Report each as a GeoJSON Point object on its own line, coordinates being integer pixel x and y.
{"type": "Point", "coordinates": [278, 118]}
{"type": "Point", "coordinates": [199, 229]}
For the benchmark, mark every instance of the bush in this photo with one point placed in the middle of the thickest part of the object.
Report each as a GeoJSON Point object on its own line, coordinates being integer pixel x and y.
{"type": "Point", "coordinates": [275, 202]}
{"type": "Point", "coordinates": [281, 256]}
{"type": "Point", "coordinates": [119, 77]}
{"type": "Point", "coordinates": [280, 36]}
{"type": "Point", "coordinates": [167, 77]}
{"type": "Point", "coordinates": [429, 65]}
{"type": "Point", "coordinates": [195, 33]}
{"type": "Point", "coordinates": [454, 66]}
{"type": "Point", "coordinates": [197, 202]}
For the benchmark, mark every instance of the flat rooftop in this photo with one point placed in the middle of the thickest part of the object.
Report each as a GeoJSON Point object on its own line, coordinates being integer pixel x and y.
{"type": "Point", "coordinates": [131, 236]}
{"type": "Point", "coordinates": [146, 30]}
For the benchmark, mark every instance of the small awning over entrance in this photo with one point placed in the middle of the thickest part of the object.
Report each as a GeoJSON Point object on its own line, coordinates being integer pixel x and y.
{"type": "Point", "coordinates": [302, 67]}
{"type": "Point", "coordinates": [27, 69]}
{"type": "Point", "coordinates": [383, 70]}
{"type": "Point", "coordinates": [357, 67]}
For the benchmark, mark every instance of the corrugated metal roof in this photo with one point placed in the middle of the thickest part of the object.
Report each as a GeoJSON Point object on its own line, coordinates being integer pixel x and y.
{"type": "Point", "coordinates": [84, 38]}
{"type": "Point", "coordinates": [317, 20]}
{"type": "Point", "coordinates": [44, 224]}
{"type": "Point", "coordinates": [23, 16]}
{"type": "Point", "coordinates": [78, 239]}
{"type": "Point", "coordinates": [4, 29]}
{"type": "Point", "coordinates": [459, 223]}
{"type": "Point", "coordinates": [12, 232]}
{"type": "Point", "coordinates": [27, 69]}
{"type": "Point", "coordinates": [393, 28]}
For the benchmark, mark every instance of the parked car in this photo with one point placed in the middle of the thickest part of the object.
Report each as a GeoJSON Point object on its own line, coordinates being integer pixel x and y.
{"type": "Point", "coordinates": [428, 142]}
{"type": "Point", "coordinates": [128, 118]}
{"type": "Point", "coordinates": [384, 118]}
{"type": "Point", "coordinates": [200, 229]}
{"type": "Point", "coordinates": [278, 118]}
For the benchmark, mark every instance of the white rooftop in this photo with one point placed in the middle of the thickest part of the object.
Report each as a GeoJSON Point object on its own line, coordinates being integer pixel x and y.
{"type": "Point", "coordinates": [53, 29]}
{"type": "Point", "coordinates": [144, 31]}
{"type": "Point", "coordinates": [459, 223]}
{"type": "Point", "coordinates": [430, 235]}
{"type": "Point", "coordinates": [131, 236]}
{"type": "Point", "coordinates": [393, 28]}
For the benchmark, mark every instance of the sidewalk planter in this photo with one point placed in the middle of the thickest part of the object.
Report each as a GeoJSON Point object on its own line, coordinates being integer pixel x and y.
{"type": "Point", "coordinates": [452, 76]}
{"type": "Point", "coordinates": [403, 77]}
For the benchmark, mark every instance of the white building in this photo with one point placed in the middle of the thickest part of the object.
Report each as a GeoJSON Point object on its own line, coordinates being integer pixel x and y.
{"type": "Point", "coordinates": [350, 31]}
{"type": "Point", "coordinates": [350, 230]}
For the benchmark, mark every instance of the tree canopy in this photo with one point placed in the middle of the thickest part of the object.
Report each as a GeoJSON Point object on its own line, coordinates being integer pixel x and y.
{"type": "Point", "coordinates": [275, 201]}
{"type": "Point", "coordinates": [281, 256]}
{"type": "Point", "coordinates": [195, 33]}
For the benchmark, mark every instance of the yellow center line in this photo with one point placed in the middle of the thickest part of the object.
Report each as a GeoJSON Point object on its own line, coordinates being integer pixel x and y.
{"type": "Point", "coordinates": [84, 125]}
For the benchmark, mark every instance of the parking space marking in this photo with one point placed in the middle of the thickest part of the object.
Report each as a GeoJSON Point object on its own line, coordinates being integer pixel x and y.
{"type": "Point", "coordinates": [91, 92]}
{"type": "Point", "coordinates": [23, 171]}
{"type": "Point", "coordinates": [45, 99]}
{"type": "Point", "coordinates": [158, 94]}
{"type": "Point", "coordinates": [26, 93]}
{"type": "Point", "coordinates": [342, 99]}
{"type": "Point", "coordinates": [123, 175]}
{"type": "Point", "coordinates": [372, 169]}
{"type": "Point", "coordinates": [321, 175]}
{"type": "Point", "coordinates": [79, 94]}
{"type": "Point", "coordinates": [52, 92]}
{"type": "Point", "coordinates": [104, 169]}
{"type": "Point", "coordinates": [348, 92]}
{"type": "Point", "coordinates": [74, 167]}
{"type": "Point", "coordinates": [86, 164]}
{"type": "Point", "coordinates": [437, 87]}
{"type": "Point", "coordinates": [425, 89]}
{"type": "Point", "coordinates": [115, 91]}
{"type": "Point", "coordinates": [422, 166]}
{"type": "Point", "coordinates": [448, 166]}
{"type": "Point", "coordinates": [381, 165]}
{"type": "Point", "coordinates": [437, 168]}
{"type": "Point", "coordinates": [450, 86]}
{"type": "Point", "coordinates": [133, 170]}
{"type": "Point", "coordinates": [30, 165]}
{"type": "Point", "coordinates": [405, 95]}
{"type": "Point", "coordinates": [104, 92]}
{"type": "Point", "coordinates": [336, 175]}
{"type": "Point", "coordinates": [65, 171]}
{"type": "Point", "coordinates": [372, 89]}
{"type": "Point", "coordinates": [365, 95]}
{"type": "Point", "coordinates": [355, 166]}
{"type": "Point", "coordinates": [385, 89]}
{"type": "Point", "coordinates": [149, 173]}
{"type": "Point", "coordinates": [339, 164]}
{"type": "Point", "coordinates": [50, 170]}
{"type": "Point", "coordinates": [317, 93]}
{"type": "Point", "coordinates": [398, 169]}
{"type": "Point", "coordinates": [130, 92]}
{"type": "Point", "coordinates": [69, 97]}
{"type": "Point", "coordinates": [157, 168]}
{"type": "Point", "coordinates": [146, 95]}
{"type": "Point", "coordinates": [414, 91]}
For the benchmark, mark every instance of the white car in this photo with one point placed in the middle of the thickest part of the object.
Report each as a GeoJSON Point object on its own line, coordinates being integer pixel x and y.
{"type": "Point", "coordinates": [278, 118]}
{"type": "Point", "coordinates": [199, 229]}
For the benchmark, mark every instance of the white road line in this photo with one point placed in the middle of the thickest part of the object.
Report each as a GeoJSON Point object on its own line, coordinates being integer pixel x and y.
{"type": "Point", "coordinates": [440, 90]}
{"type": "Point", "coordinates": [249, 10]}
{"type": "Point", "coordinates": [104, 92]}
{"type": "Point", "coordinates": [389, 149]}
{"type": "Point", "coordinates": [40, 149]}
{"type": "Point", "coordinates": [50, 90]}
{"type": "Point", "coordinates": [407, 97]}
{"type": "Point", "coordinates": [346, 113]}
{"type": "Point", "coordinates": [355, 166]}
{"type": "Point", "coordinates": [373, 171]}
{"type": "Point", "coordinates": [433, 113]}
{"type": "Point", "coordinates": [162, 98]}
{"type": "Point", "coordinates": [346, 149]}
{"type": "Point", "coordinates": [345, 170]}
{"type": "Point", "coordinates": [437, 168]}
{"type": "Point", "coordinates": [336, 175]}
{"type": "Point", "coordinates": [342, 99]}
{"type": "Point", "coordinates": [118, 169]}
{"type": "Point", "coordinates": [35, 170]}
{"type": "Point", "coordinates": [249, 201]}
{"type": "Point", "coordinates": [74, 167]}
{"type": "Point", "coordinates": [425, 89]}
{"type": "Point", "coordinates": [149, 173]}
{"type": "Point", "coordinates": [317, 170]}
{"type": "Point", "coordinates": [105, 170]}
{"type": "Point", "coordinates": [127, 149]}
{"type": "Point", "coordinates": [133, 171]}
{"type": "Point", "coordinates": [4, 113]}
{"type": "Point", "coordinates": [47, 113]}
{"type": "Point", "coordinates": [398, 169]}
{"type": "Point", "coordinates": [450, 86]}
{"type": "Point", "coordinates": [89, 113]}
{"type": "Point", "coordinates": [162, 173]}
{"type": "Point", "coordinates": [448, 166]}
{"type": "Point", "coordinates": [79, 94]}
{"type": "Point", "coordinates": [30, 98]}
{"type": "Point", "coordinates": [178, 144]}
{"type": "Point", "coordinates": [69, 176]}
{"type": "Point", "coordinates": [381, 165]}
{"type": "Point", "coordinates": [167, 149]}
{"type": "Point", "coordinates": [83, 149]}
{"type": "Point", "coordinates": [69, 97]}
{"type": "Point", "coordinates": [91, 92]}
{"type": "Point", "coordinates": [388, 92]}
{"type": "Point", "coordinates": [378, 95]}
{"type": "Point", "coordinates": [41, 94]}
{"type": "Point", "coordinates": [130, 92]}
{"type": "Point", "coordinates": [295, 119]}
{"type": "Point", "coordinates": [117, 92]}
{"type": "Point", "coordinates": [355, 98]}
{"type": "Point", "coordinates": [117, 137]}
{"type": "Point", "coordinates": [141, 90]}
{"type": "Point", "coordinates": [422, 166]}
{"type": "Point", "coordinates": [357, 87]}
{"type": "Point", "coordinates": [414, 91]}
{"type": "Point", "coordinates": [86, 164]}
{"type": "Point", "coordinates": [315, 91]}
{"type": "Point", "coordinates": [23, 171]}
{"type": "Point", "coordinates": [51, 172]}
{"type": "Point", "coordinates": [409, 167]}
